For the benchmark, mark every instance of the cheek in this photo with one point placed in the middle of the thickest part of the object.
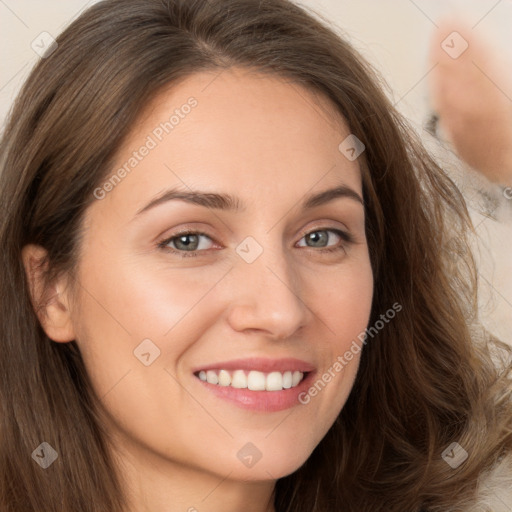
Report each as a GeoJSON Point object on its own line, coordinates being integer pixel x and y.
{"type": "Point", "coordinates": [130, 302]}
{"type": "Point", "coordinates": [343, 301]}
{"type": "Point", "coordinates": [346, 306]}
{"type": "Point", "coordinates": [134, 318]}
{"type": "Point", "coordinates": [129, 317]}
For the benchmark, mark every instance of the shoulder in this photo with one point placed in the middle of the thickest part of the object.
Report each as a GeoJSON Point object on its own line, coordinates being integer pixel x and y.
{"type": "Point", "coordinates": [494, 488]}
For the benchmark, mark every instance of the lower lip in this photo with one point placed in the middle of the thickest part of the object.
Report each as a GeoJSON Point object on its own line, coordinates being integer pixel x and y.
{"type": "Point", "coordinates": [263, 401]}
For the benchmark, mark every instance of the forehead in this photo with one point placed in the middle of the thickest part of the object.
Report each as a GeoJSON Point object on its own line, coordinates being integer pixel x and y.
{"type": "Point", "coordinates": [237, 130]}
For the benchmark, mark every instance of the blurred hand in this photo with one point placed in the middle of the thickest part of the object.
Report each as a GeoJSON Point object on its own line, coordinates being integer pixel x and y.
{"type": "Point", "coordinates": [472, 95]}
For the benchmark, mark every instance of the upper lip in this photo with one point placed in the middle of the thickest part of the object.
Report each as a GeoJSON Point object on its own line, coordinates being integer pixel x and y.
{"type": "Point", "coordinates": [260, 364]}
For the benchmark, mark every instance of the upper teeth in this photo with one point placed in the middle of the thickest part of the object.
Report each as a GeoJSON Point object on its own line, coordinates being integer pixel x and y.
{"type": "Point", "coordinates": [255, 381]}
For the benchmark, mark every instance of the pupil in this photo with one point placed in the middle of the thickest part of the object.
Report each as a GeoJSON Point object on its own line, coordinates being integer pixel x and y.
{"type": "Point", "coordinates": [182, 240]}
{"type": "Point", "coordinates": [318, 235]}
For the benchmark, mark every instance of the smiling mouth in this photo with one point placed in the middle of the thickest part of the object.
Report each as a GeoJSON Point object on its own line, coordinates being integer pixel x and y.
{"type": "Point", "coordinates": [253, 380]}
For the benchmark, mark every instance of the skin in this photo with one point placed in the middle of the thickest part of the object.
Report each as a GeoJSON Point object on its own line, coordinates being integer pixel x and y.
{"type": "Point", "coordinates": [471, 94]}
{"type": "Point", "coordinates": [270, 143]}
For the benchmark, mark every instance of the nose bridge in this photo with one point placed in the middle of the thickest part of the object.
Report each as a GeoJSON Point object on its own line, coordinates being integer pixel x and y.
{"type": "Point", "coordinates": [267, 292]}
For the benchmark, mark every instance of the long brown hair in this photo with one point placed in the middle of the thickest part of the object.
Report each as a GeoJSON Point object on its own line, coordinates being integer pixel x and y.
{"type": "Point", "coordinates": [425, 381]}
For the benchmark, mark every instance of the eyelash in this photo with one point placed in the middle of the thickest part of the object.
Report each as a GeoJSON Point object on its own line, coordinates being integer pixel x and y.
{"type": "Point", "coordinates": [347, 237]}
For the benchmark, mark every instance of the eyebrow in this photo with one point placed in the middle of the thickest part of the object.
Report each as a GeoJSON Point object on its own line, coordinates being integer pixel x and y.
{"type": "Point", "coordinates": [228, 202]}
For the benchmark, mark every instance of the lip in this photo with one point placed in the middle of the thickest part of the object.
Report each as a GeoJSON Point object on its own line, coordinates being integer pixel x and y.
{"type": "Point", "coordinates": [260, 364]}
{"type": "Point", "coordinates": [260, 401]}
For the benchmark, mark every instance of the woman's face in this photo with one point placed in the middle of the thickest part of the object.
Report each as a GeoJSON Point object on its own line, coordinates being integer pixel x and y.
{"type": "Point", "coordinates": [252, 291]}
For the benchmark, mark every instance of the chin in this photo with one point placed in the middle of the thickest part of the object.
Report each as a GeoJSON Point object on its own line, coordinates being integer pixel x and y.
{"type": "Point", "coordinates": [272, 463]}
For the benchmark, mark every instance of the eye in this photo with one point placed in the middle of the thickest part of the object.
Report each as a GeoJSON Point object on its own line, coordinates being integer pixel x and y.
{"type": "Point", "coordinates": [321, 237]}
{"type": "Point", "coordinates": [189, 241]}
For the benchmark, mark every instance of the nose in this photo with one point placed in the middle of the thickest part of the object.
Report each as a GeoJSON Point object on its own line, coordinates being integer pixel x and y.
{"type": "Point", "coordinates": [267, 295]}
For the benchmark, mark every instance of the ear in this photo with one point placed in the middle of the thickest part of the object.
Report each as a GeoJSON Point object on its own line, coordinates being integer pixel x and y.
{"type": "Point", "coordinates": [51, 303]}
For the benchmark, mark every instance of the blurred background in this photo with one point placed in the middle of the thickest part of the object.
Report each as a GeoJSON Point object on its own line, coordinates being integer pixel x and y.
{"type": "Point", "coordinates": [411, 43]}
